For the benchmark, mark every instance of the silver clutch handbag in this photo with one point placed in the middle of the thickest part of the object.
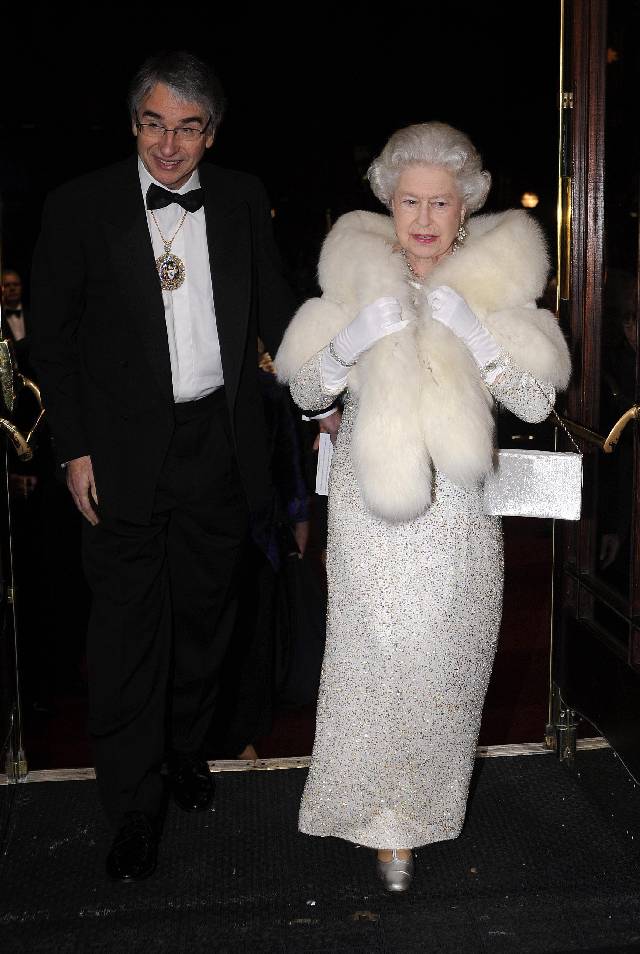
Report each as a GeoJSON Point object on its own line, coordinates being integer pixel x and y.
{"type": "Point", "coordinates": [535, 483]}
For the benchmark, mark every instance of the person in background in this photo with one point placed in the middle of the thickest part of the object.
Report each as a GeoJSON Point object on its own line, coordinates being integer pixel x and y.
{"type": "Point", "coordinates": [23, 476]}
{"type": "Point", "coordinates": [615, 471]}
{"type": "Point", "coordinates": [427, 320]}
{"type": "Point", "coordinates": [51, 599]}
{"type": "Point", "coordinates": [14, 324]}
{"type": "Point", "coordinates": [252, 669]}
{"type": "Point", "coordinates": [15, 321]}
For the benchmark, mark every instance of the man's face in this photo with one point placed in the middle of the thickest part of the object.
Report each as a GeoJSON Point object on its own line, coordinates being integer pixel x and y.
{"type": "Point", "coordinates": [171, 159]}
{"type": "Point", "coordinates": [11, 290]}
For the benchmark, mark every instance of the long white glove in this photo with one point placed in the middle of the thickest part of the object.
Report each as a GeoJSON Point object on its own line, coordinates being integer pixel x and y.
{"type": "Point", "coordinates": [449, 308]}
{"type": "Point", "coordinates": [375, 321]}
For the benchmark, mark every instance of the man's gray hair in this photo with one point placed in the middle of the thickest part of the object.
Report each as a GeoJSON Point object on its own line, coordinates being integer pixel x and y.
{"type": "Point", "coordinates": [431, 144]}
{"type": "Point", "coordinates": [189, 78]}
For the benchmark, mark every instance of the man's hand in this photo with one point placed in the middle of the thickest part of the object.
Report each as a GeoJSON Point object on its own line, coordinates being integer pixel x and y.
{"type": "Point", "coordinates": [82, 487]}
{"type": "Point", "coordinates": [301, 533]}
{"type": "Point", "coordinates": [609, 549]}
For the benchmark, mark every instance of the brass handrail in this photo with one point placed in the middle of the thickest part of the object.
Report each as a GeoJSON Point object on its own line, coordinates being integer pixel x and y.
{"type": "Point", "coordinates": [608, 443]}
{"type": "Point", "coordinates": [12, 382]}
{"type": "Point", "coordinates": [20, 444]}
{"type": "Point", "coordinates": [614, 434]}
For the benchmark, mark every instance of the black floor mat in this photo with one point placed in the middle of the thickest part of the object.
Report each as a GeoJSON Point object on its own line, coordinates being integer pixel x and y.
{"type": "Point", "coordinates": [548, 861]}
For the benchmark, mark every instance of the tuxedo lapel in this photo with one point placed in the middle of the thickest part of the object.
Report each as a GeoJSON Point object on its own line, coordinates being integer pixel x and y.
{"type": "Point", "coordinates": [228, 224]}
{"type": "Point", "coordinates": [229, 239]}
{"type": "Point", "coordinates": [132, 255]}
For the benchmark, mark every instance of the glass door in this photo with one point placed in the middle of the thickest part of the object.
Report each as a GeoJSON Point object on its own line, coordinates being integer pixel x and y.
{"type": "Point", "coordinates": [596, 654]}
{"type": "Point", "coordinates": [12, 757]}
{"type": "Point", "coordinates": [16, 434]}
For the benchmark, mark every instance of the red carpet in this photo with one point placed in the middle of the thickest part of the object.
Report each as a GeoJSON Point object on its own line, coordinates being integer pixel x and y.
{"type": "Point", "coordinates": [516, 704]}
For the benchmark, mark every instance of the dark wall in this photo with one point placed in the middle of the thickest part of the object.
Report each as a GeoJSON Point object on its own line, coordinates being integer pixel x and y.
{"type": "Point", "coordinates": [311, 101]}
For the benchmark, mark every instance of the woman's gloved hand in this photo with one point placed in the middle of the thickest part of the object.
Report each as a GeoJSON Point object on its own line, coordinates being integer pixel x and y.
{"type": "Point", "coordinates": [375, 321]}
{"type": "Point", "coordinates": [449, 308]}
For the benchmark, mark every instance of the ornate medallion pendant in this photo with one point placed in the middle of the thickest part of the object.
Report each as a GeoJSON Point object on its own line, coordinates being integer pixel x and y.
{"type": "Point", "coordinates": [171, 270]}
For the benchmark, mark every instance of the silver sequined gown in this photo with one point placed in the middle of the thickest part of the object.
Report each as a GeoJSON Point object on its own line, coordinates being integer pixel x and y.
{"type": "Point", "coordinates": [413, 619]}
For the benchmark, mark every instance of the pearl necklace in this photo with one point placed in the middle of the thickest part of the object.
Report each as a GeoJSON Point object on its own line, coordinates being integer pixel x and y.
{"type": "Point", "coordinates": [417, 281]}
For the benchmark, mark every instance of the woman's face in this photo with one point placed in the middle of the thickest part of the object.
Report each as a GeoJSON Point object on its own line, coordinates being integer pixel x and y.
{"type": "Point", "coordinates": [427, 211]}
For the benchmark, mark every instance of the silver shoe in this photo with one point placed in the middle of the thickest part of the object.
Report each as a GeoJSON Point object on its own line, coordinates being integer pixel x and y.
{"type": "Point", "coordinates": [397, 873]}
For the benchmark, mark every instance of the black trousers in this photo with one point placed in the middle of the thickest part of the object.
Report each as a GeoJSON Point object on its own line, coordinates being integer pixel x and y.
{"type": "Point", "coordinates": [164, 606]}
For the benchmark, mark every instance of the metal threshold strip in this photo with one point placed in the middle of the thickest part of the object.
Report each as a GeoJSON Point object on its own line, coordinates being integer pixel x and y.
{"type": "Point", "coordinates": [270, 765]}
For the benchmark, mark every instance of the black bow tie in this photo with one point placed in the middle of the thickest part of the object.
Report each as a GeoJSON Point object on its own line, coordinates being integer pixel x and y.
{"type": "Point", "coordinates": [158, 198]}
{"type": "Point", "coordinates": [10, 312]}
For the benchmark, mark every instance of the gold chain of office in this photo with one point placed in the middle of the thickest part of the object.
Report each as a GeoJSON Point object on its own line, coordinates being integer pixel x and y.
{"type": "Point", "coordinates": [171, 268]}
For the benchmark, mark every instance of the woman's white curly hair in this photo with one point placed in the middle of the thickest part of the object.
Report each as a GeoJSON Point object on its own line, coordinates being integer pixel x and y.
{"type": "Point", "coordinates": [431, 144]}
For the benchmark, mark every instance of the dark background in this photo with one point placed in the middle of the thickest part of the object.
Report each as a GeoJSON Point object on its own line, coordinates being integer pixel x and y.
{"type": "Point", "coordinates": [313, 93]}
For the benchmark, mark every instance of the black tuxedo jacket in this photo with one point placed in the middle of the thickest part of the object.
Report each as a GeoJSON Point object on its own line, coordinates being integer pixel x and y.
{"type": "Point", "coordinates": [99, 332]}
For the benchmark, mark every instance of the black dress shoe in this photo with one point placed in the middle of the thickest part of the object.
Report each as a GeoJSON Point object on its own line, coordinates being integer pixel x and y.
{"type": "Point", "coordinates": [134, 852]}
{"type": "Point", "coordinates": [192, 785]}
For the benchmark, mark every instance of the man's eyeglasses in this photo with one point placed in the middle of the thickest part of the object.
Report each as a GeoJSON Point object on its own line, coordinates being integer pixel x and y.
{"type": "Point", "coordinates": [184, 133]}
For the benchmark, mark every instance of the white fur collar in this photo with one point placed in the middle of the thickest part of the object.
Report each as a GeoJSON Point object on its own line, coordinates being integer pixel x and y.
{"type": "Point", "coordinates": [421, 389]}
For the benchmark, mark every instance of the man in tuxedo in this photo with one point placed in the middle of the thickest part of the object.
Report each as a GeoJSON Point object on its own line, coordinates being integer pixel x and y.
{"type": "Point", "coordinates": [13, 316]}
{"type": "Point", "coordinates": [15, 320]}
{"type": "Point", "coordinates": [152, 280]}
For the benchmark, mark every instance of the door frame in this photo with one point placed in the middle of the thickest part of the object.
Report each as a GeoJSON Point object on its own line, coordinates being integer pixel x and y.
{"type": "Point", "coordinates": [591, 673]}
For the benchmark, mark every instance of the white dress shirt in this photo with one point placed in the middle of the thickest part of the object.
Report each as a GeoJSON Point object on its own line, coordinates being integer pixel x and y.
{"type": "Point", "coordinates": [194, 347]}
{"type": "Point", "coordinates": [16, 324]}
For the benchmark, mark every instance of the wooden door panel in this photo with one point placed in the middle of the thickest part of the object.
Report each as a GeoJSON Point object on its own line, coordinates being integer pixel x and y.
{"type": "Point", "coordinates": [596, 655]}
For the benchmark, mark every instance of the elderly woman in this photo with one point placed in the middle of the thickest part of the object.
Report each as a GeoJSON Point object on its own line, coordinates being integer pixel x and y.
{"type": "Point", "coordinates": [428, 319]}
